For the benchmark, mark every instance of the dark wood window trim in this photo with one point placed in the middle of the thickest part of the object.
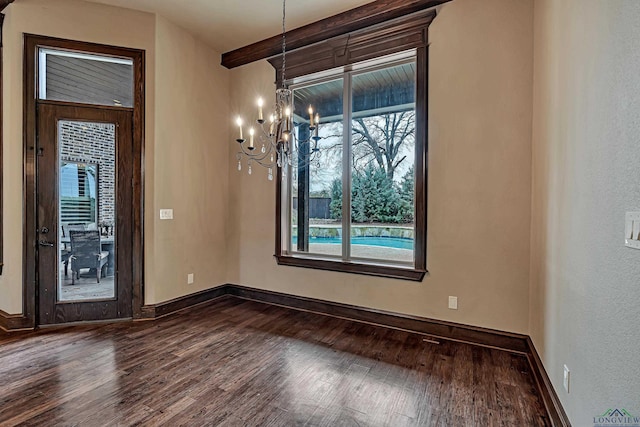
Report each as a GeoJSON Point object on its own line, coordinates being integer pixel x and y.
{"type": "Point", "coordinates": [31, 45]}
{"type": "Point", "coordinates": [362, 17]}
{"type": "Point", "coordinates": [409, 32]}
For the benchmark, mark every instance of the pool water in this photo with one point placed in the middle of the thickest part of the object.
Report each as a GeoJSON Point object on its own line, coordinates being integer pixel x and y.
{"type": "Point", "coordinates": [387, 242]}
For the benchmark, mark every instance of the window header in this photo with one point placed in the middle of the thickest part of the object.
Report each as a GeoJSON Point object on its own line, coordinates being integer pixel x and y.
{"type": "Point", "coordinates": [369, 44]}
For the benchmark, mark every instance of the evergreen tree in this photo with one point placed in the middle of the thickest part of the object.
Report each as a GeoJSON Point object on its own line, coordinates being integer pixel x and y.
{"type": "Point", "coordinates": [407, 195]}
{"type": "Point", "coordinates": [336, 199]}
{"type": "Point", "coordinates": [374, 197]}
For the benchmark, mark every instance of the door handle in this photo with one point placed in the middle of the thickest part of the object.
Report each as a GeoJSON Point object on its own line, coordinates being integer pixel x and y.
{"type": "Point", "coordinates": [45, 243]}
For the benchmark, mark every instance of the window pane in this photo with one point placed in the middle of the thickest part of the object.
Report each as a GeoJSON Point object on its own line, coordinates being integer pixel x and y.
{"type": "Point", "coordinates": [84, 78]}
{"type": "Point", "coordinates": [316, 189]}
{"type": "Point", "coordinates": [383, 152]}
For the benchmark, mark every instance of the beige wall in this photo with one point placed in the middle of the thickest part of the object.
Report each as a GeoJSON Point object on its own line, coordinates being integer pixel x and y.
{"type": "Point", "coordinates": [185, 166]}
{"type": "Point", "coordinates": [479, 180]}
{"type": "Point", "coordinates": [190, 168]}
{"type": "Point", "coordinates": [585, 285]}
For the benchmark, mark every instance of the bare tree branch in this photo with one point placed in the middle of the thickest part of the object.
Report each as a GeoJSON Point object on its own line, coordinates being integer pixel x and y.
{"type": "Point", "coordinates": [384, 137]}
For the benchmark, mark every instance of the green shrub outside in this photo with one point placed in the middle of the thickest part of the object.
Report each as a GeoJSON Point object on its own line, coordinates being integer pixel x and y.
{"type": "Point", "coordinates": [375, 197]}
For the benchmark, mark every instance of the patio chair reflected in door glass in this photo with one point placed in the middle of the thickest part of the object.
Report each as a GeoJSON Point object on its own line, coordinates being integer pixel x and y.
{"type": "Point", "coordinates": [86, 253]}
{"type": "Point", "coordinates": [65, 247]}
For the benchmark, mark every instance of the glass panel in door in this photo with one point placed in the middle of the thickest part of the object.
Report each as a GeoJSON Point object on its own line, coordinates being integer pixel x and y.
{"type": "Point", "coordinates": [86, 210]}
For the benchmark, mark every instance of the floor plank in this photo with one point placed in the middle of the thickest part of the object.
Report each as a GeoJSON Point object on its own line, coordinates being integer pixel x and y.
{"type": "Point", "coordinates": [234, 362]}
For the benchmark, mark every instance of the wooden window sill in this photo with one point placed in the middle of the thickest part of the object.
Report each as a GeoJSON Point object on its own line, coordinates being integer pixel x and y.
{"type": "Point", "coordinates": [379, 270]}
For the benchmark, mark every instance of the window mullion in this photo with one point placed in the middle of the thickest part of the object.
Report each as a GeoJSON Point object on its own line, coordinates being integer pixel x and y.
{"type": "Point", "coordinates": [346, 169]}
{"type": "Point", "coordinates": [287, 202]}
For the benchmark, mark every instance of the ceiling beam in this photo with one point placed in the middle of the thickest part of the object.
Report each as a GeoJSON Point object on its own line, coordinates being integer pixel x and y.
{"type": "Point", "coordinates": [352, 20]}
{"type": "Point", "coordinates": [5, 3]}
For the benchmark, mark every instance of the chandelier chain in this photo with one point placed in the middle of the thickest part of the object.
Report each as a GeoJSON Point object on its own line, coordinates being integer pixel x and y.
{"type": "Point", "coordinates": [284, 40]}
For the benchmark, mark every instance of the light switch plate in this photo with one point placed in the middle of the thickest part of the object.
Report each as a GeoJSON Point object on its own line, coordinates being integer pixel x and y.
{"type": "Point", "coordinates": [166, 213]}
{"type": "Point", "coordinates": [632, 230]}
{"type": "Point", "coordinates": [453, 303]}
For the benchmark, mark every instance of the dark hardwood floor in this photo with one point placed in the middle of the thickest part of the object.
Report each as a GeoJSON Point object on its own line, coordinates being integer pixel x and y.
{"type": "Point", "coordinates": [234, 362]}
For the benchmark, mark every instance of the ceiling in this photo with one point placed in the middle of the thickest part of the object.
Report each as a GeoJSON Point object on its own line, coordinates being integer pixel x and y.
{"type": "Point", "coordinates": [230, 24]}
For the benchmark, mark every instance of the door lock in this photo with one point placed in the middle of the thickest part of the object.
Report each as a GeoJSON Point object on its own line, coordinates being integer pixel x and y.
{"type": "Point", "coordinates": [44, 230]}
{"type": "Point", "coordinates": [45, 243]}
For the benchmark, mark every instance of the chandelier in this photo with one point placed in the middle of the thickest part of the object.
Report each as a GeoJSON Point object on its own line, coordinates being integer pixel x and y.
{"type": "Point", "coordinates": [274, 142]}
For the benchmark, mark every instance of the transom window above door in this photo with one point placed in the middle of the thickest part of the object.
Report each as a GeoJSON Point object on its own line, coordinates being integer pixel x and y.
{"type": "Point", "coordinates": [84, 78]}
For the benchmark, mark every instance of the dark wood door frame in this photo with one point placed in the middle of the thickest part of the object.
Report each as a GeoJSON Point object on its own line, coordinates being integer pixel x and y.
{"type": "Point", "coordinates": [3, 5]}
{"type": "Point", "coordinates": [30, 248]}
{"type": "Point", "coordinates": [1, 134]}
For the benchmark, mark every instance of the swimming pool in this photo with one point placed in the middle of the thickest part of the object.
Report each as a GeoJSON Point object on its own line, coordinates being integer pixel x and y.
{"type": "Point", "coordinates": [387, 242]}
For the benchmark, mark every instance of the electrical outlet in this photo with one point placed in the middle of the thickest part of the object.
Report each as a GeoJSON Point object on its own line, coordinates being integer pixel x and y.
{"type": "Point", "coordinates": [453, 303]}
{"type": "Point", "coordinates": [190, 279]}
{"type": "Point", "coordinates": [166, 213]}
{"type": "Point", "coordinates": [567, 376]}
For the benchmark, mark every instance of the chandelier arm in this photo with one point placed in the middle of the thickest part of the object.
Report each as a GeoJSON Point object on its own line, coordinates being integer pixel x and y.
{"type": "Point", "coordinates": [264, 164]}
{"type": "Point", "coordinates": [260, 161]}
{"type": "Point", "coordinates": [266, 135]}
{"type": "Point", "coordinates": [249, 154]}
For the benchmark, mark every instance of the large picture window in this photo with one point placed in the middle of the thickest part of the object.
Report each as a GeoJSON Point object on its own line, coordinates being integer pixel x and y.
{"type": "Point", "coordinates": [355, 200]}
{"type": "Point", "coordinates": [351, 199]}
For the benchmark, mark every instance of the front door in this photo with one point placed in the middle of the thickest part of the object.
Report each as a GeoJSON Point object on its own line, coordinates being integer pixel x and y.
{"type": "Point", "coordinates": [84, 176]}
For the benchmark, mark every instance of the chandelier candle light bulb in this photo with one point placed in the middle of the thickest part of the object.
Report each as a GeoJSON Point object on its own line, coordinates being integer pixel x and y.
{"type": "Point", "coordinates": [287, 119]}
{"type": "Point", "coordinates": [310, 117]}
{"type": "Point", "coordinates": [239, 123]}
{"type": "Point", "coordinates": [260, 105]}
{"type": "Point", "coordinates": [251, 133]}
